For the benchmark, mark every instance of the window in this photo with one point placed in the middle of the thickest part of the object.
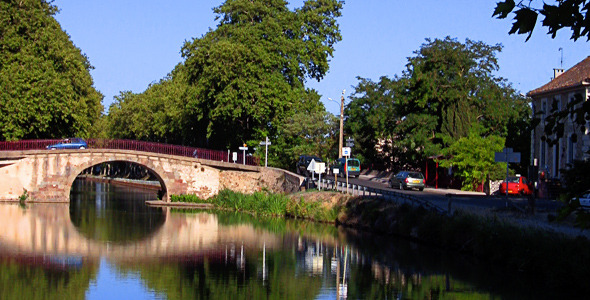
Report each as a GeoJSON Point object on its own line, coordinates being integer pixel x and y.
{"type": "Point", "coordinates": [571, 151]}
{"type": "Point", "coordinates": [542, 152]}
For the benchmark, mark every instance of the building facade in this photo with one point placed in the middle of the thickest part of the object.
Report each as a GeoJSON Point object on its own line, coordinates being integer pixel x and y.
{"type": "Point", "coordinates": [554, 96]}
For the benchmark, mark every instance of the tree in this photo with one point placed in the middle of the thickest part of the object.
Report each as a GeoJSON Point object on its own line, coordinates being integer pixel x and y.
{"type": "Point", "coordinates": [158, 114]}
{"type": "Point", "coordinates": [473, 158]}
{"type": "Point", "coordinates": [312, 133]}
{"type": "Point", "coordinates": [572, 14]}
{"type": "Point", "coordinates": [249, 73]}
{"type": "Point", "coordinates": [447, 88]}
{"type": "Point", "coordinates": [370, 119]}
{"type": "Point", "coordinates": [46, 90]}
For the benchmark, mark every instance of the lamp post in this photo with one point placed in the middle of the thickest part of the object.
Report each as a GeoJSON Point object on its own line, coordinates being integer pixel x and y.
{"type": "Point", "coordinates": [341, 136]}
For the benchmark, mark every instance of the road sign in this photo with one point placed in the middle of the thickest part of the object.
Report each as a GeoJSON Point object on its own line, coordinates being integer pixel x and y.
{"type": "Point", "coordinates": [312, 165]}
{"type": "Point", "coordinates": [508, 155]}
{"type": "Point", "coordinates": [349, 142]}
{"type": "Point", "coordinates": [244, 152]}
{"type": "Point", "coordinates": [266, 144]}
{"type": "Point", "coordinates": [345, 151]}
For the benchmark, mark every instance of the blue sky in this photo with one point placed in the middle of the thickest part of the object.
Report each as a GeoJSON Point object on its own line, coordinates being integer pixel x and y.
{"type": "Point", "coordinates": [133, 43]}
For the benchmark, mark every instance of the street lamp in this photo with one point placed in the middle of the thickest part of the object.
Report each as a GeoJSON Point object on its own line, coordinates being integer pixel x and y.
{"type": "Point", "coordinates": [341, 123]}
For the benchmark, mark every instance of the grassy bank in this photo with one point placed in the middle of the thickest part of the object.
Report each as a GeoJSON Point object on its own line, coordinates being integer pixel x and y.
{"type": "Point", "coordinates": [267, 204]}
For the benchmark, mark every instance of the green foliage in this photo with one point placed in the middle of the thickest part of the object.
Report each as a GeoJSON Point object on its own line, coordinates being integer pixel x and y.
{"type": "Point", "coordinates": [473, 158]}
{"type": "Point", "coordinates": [242, 82]}
{"type": "Point", "coordinates": [46, 90]}
{"type": "Point", "coordinates": [447, 88]}
{"type": "Point", "coordinates": [248, 74]}
{"type": "Point", "coordinates": [572, 14]}
{"type": "Point", "coordinates": [157, 114]}
{"type": "Point", "coordinates": [312, 132]}
{"type": "Point", "coordinates": [267, 204]}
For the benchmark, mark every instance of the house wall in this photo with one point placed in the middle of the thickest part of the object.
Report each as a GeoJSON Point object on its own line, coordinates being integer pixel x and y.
{"type": "Point", "coordinates": [558, 156]}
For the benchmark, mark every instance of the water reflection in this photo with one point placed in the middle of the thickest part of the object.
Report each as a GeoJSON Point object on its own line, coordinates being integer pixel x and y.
{"type": "Point", "coordinates": [106, 212]}
{"type": "Point", "coordinates": [199, 255]}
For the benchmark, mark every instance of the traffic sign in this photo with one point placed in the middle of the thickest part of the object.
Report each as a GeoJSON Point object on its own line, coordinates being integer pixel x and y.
{"type": "Point", "coordinates": [345, 151]}
{"type": "Point", "coordinates": [507, 155]}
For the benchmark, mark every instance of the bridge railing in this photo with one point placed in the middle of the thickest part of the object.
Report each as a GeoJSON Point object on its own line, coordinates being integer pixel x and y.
{"type": "Point", "coordinates": [160, 148]}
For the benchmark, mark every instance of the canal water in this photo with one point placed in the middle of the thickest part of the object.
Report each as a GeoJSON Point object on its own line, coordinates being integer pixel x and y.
{"type": "Point", "coordinates": [107, 244]}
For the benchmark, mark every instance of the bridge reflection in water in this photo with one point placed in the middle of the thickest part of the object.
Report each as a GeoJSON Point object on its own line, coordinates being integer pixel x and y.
{"type": "Point", "coordinates": [128, 232]}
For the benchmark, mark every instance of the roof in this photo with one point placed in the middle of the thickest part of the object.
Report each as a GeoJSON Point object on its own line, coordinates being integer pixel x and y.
{"type": "Point", "coordinates": [577, 76]}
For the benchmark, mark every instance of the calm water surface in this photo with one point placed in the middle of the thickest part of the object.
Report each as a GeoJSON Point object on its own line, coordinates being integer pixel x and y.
{"type": "Point", "coordinates": [107, 244]}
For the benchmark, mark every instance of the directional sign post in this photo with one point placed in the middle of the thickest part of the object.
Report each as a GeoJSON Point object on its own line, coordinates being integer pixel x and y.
{"type": "Point", "coordinates": [244, 152]}
{"type": "Point", "coordinates": [266, 144]}
{"type": "Point", "coordinates": [346, 154]}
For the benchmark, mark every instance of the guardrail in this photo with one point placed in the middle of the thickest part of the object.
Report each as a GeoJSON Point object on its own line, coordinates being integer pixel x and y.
{"type": "Point", "coordinates": [361, 190]}
{"type": "Point", "coordinates": [160, 148]}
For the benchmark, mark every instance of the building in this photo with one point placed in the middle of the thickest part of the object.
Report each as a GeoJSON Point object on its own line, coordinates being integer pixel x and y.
{"type": "Point", "coordinates": [575, 142]}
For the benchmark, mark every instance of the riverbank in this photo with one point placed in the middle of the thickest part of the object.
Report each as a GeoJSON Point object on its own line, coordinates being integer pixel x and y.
{"type": "Point", "coordinates": [559, 260]}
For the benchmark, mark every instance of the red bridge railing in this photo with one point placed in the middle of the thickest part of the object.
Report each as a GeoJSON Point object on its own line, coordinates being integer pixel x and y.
{"type": "Point", "coordinates": [161, 148]}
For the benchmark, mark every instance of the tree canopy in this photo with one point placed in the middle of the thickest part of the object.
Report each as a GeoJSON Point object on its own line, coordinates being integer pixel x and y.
{"type": "Point", "coordinates": [572, 14]}
{"type": "Point", "coordinates": [446, 89]}
{"type": "Point", "coordinates": [46, 90]}
{"type": "Point", "coordinates": [242, 82]}
{"type": "Point", "coordinates": [249, 73]}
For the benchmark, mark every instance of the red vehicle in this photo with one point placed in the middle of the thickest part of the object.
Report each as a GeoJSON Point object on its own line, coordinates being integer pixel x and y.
{"type": "Point", "coordinates": [517, 185]}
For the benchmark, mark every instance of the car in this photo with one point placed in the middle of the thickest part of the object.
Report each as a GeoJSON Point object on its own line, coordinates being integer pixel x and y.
{"type": "Point", "coordinates": [352, 165]}
{"type": "Point", "coordinates": [517, 185]}
{"type": "Point", "coordinates": [407, 180]}
{"type": "Point", "coordinates": [585, 200]}
{"type": "Point", "coordinates": [71, 143]}
{"type": "Point", "coordinates": [303, 162]}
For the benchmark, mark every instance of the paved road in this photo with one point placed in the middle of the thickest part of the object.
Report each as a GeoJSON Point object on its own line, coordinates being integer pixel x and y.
{"type": "Point", "coordinates": [441, 197]}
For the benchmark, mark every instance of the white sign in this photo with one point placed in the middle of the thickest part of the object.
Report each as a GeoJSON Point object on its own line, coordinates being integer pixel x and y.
{"type": "Point", "coordinates": [335, 171]}
{"type": "Point", "coordinates": [312, 165]}
{"type": "Point", "coordinates": [320, 168]}
{"type": "Point", "coordinates": [234, 156]}
{"type": "Point", "coordinates": [345, 151]}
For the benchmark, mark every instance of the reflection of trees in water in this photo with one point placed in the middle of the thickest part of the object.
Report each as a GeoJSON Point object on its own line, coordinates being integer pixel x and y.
{"type": "Point", "coordinates": [19, 280]}
{"type": "Point", "coordinates": [210, 278]}
{"type": "Point", "coordinates": [107, 212]}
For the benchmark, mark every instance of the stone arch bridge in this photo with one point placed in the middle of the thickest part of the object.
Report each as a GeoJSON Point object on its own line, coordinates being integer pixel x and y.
{"type": "Point", "coordinates": [47, 175]}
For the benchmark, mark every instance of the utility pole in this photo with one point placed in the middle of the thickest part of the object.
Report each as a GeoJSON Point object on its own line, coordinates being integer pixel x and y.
{"type": "Point", "coordinates": [341, 124]}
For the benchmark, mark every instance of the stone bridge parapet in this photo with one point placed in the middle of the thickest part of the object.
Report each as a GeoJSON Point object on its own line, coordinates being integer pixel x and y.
{"type": "Point", "coordinates": [47, 175]}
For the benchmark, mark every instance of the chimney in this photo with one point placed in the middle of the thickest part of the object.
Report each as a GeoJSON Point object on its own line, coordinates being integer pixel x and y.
{"type": "Point", "coordinates": [557, 72]}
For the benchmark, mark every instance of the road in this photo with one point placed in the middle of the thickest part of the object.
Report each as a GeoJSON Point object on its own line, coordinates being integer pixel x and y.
{"type": "Point", "coordinates": [441, 197]}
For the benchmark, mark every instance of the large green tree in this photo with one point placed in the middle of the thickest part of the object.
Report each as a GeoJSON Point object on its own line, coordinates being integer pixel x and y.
{"type": "Point", "coordinates": [446, 89]}
{"type": "Point", "coordinates": [46, 90]}
{"type": "Point", "coordinates": [249, 73]}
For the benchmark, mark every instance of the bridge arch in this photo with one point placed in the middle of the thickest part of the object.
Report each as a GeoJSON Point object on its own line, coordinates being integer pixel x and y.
{"type": "Point", "coordinates": [156, 170]}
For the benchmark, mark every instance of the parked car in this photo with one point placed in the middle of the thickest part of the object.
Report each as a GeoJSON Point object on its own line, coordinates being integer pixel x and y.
{"type": "Point", "coordinates": [303, 163]}
{"type": "Point", "coordinates": [585, 200]}
{"type": "Point", "coordinates": [72, 143]}
{"type": "Point", "coordinates": [407, 180]}
{"type": "Point", "coordinates": [352, 165]}
{"type": "Point", "coordinates": [517, 185]}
